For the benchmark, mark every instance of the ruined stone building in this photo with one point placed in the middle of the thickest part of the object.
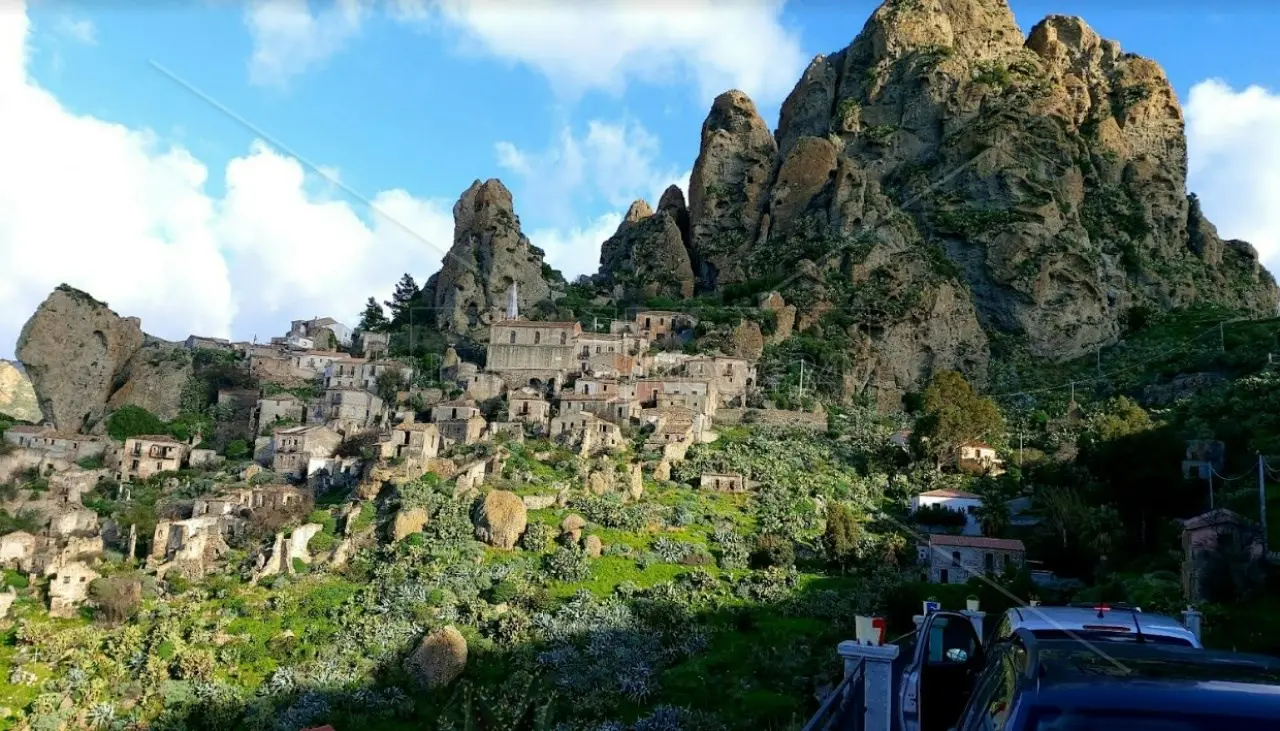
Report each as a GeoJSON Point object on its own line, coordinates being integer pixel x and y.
{"type": "Point", "coordinates": [145, 456]}
{"type": "Point", "coordinates": [361, 373]}
{"type": "Point", "coordinates": [17, 550]}
{"type": "Point", "coordinates": [374, 345]}
{"type": "Point", "coordinates": [282, 409]}
{"type": "Point", "coordinates": [198, 342]}
{"type": "Point", "coordinates": [484, 386]}
{"type": "Point", "coordinates": [529, 408]}
{"type": "Point", "coordinates": [587, 429]}
{"type": "Point", "coordinates": [463, 431]}
{"type": "Point", "coordinates": [315, 329]}
{"type": "Point", "coordinates": [615, 408]}
{"type": "Point", "coordinates": [352, 410]}
{"type": "Point", "coordinates": [532, 352]}
{"type": "Point", "coordinates": [413, 442]}
{"type": "Point", "coordinates": [700, 395]}
{"type": "Point", "coordinates": [55, 445]}
{"type": "Point", "coordinates": [454, 410]}
{"type": "Point", "coordinates": [299, 451]}
{"type": "Point", "coordinates": [69, 587]}
{"type": "Point", "coordinates": [722, 481]}
{"type": "Point", "coordinates": [732, 376]}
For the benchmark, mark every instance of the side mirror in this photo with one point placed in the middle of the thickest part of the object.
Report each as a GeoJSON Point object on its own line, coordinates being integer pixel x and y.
{"type": "Point", "coordinates": [957, 655]}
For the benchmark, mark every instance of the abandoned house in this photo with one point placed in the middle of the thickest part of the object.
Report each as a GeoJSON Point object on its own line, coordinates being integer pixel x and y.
{"type": "Point", "coordinates": [1222, 554]}
{"type": "Point", "coordinates": [145, 456]}
{"type": "Point", "coordinates": [732, 376]}
{"type": "Point", "coordinates": [352, 410]}
{"type": "Point", "coordinates": [529, 408]}
{"type": "Point", "coordinates": [954, 559]}
{"type": "Point", "coordinates": [69, 587]}
{"type": "Point", "coordinates": [413, 442]}
{"type": "Point", "coordinates": [70, 447]}
{"type": "Point", "coordinates": [301, 450]}
{"type": "Point", "coordinates": [454, 410]}
{"type": "Point", "coordinates": [724, 482]}
{"type": "Point", "coordinates": [533, 350]}
{"type": "Point", "coordinates": [280, 410]}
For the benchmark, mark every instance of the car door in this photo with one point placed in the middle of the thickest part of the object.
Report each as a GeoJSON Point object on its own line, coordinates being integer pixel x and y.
{"type": "Point", "coordinates": [937, 682]}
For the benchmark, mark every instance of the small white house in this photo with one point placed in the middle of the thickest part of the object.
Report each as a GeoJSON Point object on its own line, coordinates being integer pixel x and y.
{"type": "Point", "coordinates": [958, 500]}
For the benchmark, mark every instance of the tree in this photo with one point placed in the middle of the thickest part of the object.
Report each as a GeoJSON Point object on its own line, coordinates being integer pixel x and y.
{"type": "Point", "coordinates": [373, 319]}
{"type": "Point", "coordinates": [953, 414]}
{"type": "Point", "coordinates": [389, 384]}
{"type": "Point", "coordinates": [402, 300]}
{"type": "Point", "coordinates": [843, 535]}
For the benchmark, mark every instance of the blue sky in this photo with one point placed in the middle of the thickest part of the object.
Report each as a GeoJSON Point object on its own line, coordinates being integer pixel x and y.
{"type": "Point", "coordinates": [135, 188]}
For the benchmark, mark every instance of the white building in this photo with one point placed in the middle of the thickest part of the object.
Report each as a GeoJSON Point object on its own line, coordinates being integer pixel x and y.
{"type": "Point", "coordinates": [957, 500]}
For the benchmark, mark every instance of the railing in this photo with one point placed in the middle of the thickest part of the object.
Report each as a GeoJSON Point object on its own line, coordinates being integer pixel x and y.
{"type": "Point", "coordinates": [843, 708]}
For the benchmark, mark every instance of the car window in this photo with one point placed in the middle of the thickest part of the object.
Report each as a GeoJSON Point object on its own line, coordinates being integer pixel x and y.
{"type": "Point", "coordinates": [992, 716]}
{"type": "Point", "coordinates": [986, 686]}
{"type": "Point", "coordinates": [1057, 719]}
{"type": "Point", "coordinates": [950, 640]}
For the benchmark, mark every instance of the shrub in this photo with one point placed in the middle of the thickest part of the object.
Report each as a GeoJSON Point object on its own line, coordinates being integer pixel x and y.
{"type": "Point", "coordinates": [537, 536]}
{"type": "Point", "coordinates": [773, 550]}
{"type": "Point", "coordinates": [842, 535]}
{"type": "Point", "coordinates": [16, 579]}
{"type": "Point", "coordinates": [238, 449]}
{"type": "Point", "coordinates": [132, 421]}
{"type": "Point", "coordinates": [567, 564]}
{"type": "Point", "coordinates": [118, 597]}
{"type": "Point", "coordinates": [175, 582]}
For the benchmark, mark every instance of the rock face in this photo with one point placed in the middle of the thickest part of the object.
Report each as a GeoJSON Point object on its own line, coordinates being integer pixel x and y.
{"type": "Point", "coordinates": [944, 178]}
{"type": "Point", "coordinates": [408, 522]}
{"type": "Point", "coordinates": [17, 395]}
{"type": "Point", "coordinates": [649, 255]}
{"type": "Point", "coordinates": [489, 252]}
{"type": "Point", "coordinates": [727, 189]}
{"type": "Point", "coordinates": [83, 360]}
{"type": "Point", "coordinates": [439, 659]}
{"type": "Point", "coordinates": [500, 517]}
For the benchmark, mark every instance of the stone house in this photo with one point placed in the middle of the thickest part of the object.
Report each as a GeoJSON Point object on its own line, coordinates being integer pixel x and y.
{"type": "Point", "coordinates": [584, 425]}
{"type": "Point", "coordinates": [724, 482]}
{"type": "Point", "coordinates": [699, 395]}
{"type": "Point", "coordinates": [313, 327]}
{"type": "Point", "coordinates": [965, 503]}
{"type": "Point", "coordinates": [145, 456]}
{"type": "Point", "coordinates": [344, 373]}
{"type": "Point", "coordinates": [978, 458]}
{"type": "Point", "coordinates": [18, 550]}
{"type": "Point", "coordinates": [198, 342]}
{"type": "Point", "coordinates": [454, 410]}
{"type": "Point", "coordinates": [55, 445]}
{"type": "Point", "coordinates": [1215, 542]}
{"type": "Point", "coordinates": [732, 376]}
{"type": "Point", "coordinates": [533, 350]}
{"type": "Point", "coordinates": [69, 587]}
{"type": "Point", "coordinates": [654, 324]}
{"type": "Point", "coordinates": [463, 431]}
{"type": "Point", "coordinates": [188, 539]}
{"type": "Point", "coordinates": [297, 448]}
{"type": "Point", "coordinates": [954, 559]}
{"type": "Point", "coordinates": [597, 386]}
{"type": "Point", "coordinates": [618, 409]}
{"type": "Point", "coordinates": [471, 475]}
{"type": "Point", "coordinates": [71, 521]}
{"type": "Point", "coordinates": [374, 345]}
{"type": "Point", "coordinates": [527, 407]}
{"type": "Point", "coordinates": [413, 442]}
{"type": "Point", "coordinates": [484, 386]}
{"type": "Point", "coordinates": [313, 363]}
{"type": "Point", "coordinates": [282, 409]}
{"type": "Point", "coordinates": [351, 410]}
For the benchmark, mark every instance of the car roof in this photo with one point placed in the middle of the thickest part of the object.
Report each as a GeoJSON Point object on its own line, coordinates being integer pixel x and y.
{"type": "Point", "coordinates": [1041, 619]}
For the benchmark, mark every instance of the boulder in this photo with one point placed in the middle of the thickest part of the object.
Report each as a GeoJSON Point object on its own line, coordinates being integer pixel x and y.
{"type": "Point", "coordinates": [571, 527]}
{"type": "Point", "coordinates": [407, 522]}
{"type": "Point", "coordinates": [592, 546]}
{"type": "Point", "coordinates": [83, 359]}
{"type": "Point", "coordinates": [439, 659]}
{"type": "Point", "coordinates": [500, 517]}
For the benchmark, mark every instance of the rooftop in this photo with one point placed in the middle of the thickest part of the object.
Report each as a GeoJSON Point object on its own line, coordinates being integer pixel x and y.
{"type": "Point", "coordinates": [947, 492]}
{"type": "Point", "coordinates": [163, 438]}
{"type": "Point", "coordinates": [534, 323]}
{"type": "Point", "coordinates": [997, 544]}
{"type": "Point", "coordinates": [1221, 516]}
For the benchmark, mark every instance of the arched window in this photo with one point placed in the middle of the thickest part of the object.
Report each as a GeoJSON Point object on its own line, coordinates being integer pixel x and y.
{"type": "Point", "coordinates": [512, 337]}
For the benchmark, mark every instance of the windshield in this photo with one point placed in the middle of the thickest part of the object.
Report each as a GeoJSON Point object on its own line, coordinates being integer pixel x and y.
{"type": "Point", "coordinates": [1096, 636]}
{"type": "Point", "coordinates": [1056, 719]}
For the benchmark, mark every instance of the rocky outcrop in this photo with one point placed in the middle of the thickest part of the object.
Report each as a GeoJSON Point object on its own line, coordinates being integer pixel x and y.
{"type": "Point", "coordinates": [407, 522]}
{"type": "Point", "coordinates": [489, 253]}
{"type": "Point", "coordinates": [945, 178]}
{"type": "Point", "coordinates": [727, 189]}
{"type": "Point", "coordinates": [439, 659]}
{"type": "Point", "coordinates": [17, 395]}
{"type": "Point", "coordinates": [649, 255]}
{"type": "Point", "coordinates": [500, 517]}
{"type": "Point", "coordinates": [571, 527]}
{"type": "Point", "coordinates": [84, 360]}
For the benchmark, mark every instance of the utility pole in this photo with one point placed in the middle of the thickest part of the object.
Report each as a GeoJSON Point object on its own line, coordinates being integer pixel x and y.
{"type": "Point", "coordinates": [1262, 500]}
{"type": "Point", "coordinates": [1222, 336]}
{"type": "Point", "coordinates": [1098, 360]}
{"type": "Point", "coordinates": [801, 380]}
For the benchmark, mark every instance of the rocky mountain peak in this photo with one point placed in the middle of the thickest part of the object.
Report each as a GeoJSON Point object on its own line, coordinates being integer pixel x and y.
{"type": "Point", "coordinates": [638, 210]}
{"type": "Point", "coordinates": [648, 256]}
{"type": "Point", "coordinates": [489, 252]}
{"type": "Point", "coordinates": [975, 29]}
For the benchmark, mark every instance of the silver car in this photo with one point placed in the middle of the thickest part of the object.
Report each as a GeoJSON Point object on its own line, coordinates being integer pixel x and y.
{"type": "Point", "coordinates": [1101, 623]}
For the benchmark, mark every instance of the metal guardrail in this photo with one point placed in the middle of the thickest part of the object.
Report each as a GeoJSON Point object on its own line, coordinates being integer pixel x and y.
{"type": "Point", "coordinates": [842, 709]}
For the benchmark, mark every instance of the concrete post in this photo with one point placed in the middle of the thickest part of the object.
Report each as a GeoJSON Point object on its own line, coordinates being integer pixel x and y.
{"type": "Point", "coordinates": [976, 619]}
{"type": "Point", "coordinates": [877, 681]}
{"type": "Point", "coordinates": [1191, 620]}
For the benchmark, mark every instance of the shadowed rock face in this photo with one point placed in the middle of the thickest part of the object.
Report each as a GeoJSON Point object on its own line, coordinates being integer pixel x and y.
{"type": "Point", "coordinates": [83, 359]}
{"type": "Point", "coordinates": [489, 252]}
{"type": "Point", "coordinates": [649, 255]}
{"type": "Point", "coordinates": [17, 395]}
{"type": "Point", "coordinates": [945, 177]}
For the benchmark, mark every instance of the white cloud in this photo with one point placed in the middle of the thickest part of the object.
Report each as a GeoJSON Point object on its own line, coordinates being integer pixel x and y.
{"type": "Point", "coordinates": [120, 214]}
{"type": "Point", "coordinates": [81, 30]}
{"type": "Point", "coordinates": [612, 165]}
{"type": "Point", "coordinates": [579, 47]}
{"type": "Point", "coordinates": [601, 45]}
{"type": "Point", "coordinates": [289, 38]}
{"type": "Point", "coordinates": [1233, 141]}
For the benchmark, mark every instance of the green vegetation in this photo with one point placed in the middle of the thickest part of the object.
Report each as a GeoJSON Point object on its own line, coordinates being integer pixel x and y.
{"type": "Point", "coordinates": [970, 223]}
